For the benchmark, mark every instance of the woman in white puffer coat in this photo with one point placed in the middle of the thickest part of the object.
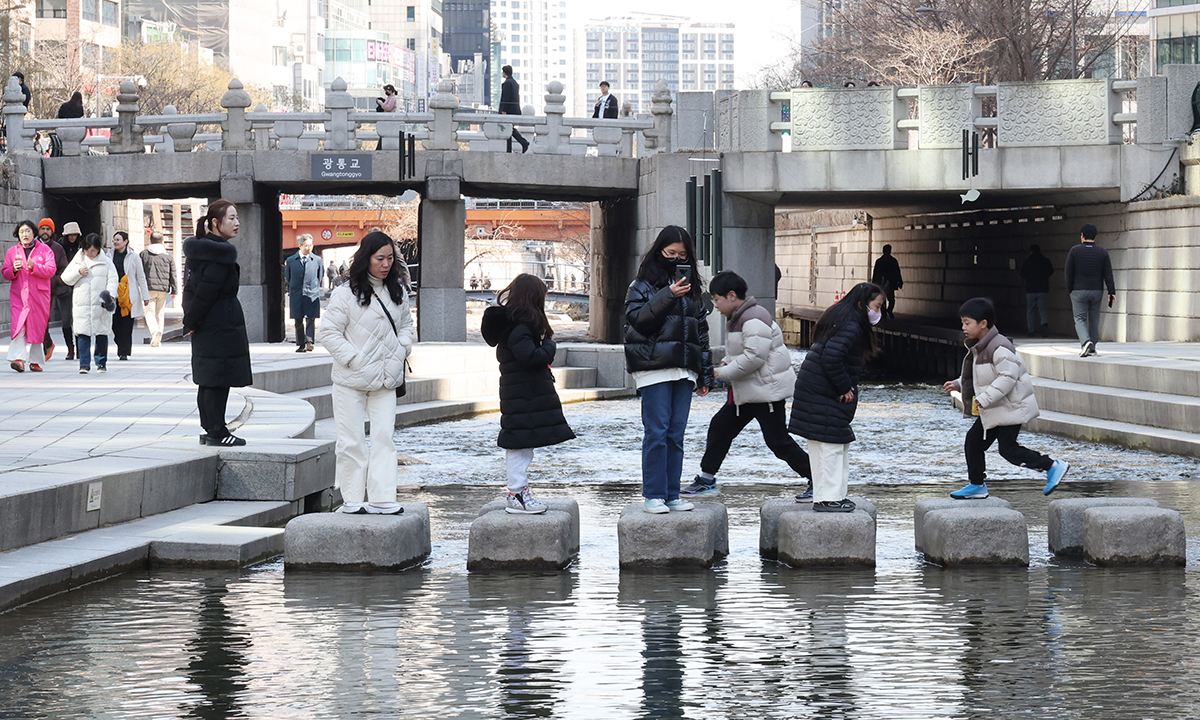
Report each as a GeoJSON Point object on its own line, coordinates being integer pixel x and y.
{"type": "Point", "coordinates": [368, 330]}
{"type": "Point", "coordinates": [92, 273]}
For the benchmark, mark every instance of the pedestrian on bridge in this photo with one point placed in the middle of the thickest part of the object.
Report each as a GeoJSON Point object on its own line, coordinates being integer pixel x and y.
{"type": "Point", "coordinates": [302, 272]}
{"type": "Point", "coordinates": [29, 266]}
{"type": "Point", "coordinates": [510, 104]}
{"type": "Point", "coordinates": [213, 317]}
{"type": "Point", "coordinates": [607, 105]}
{"type": "Point", "coordinates": [132, 294]}
{"type": "Point", "coordinates": [1089, 272]}
{"type": "Point", "coordinates": [667, 353]}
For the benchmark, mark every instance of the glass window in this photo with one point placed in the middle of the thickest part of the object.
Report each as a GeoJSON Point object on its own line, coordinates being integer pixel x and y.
{"type": "Point", "coordinates": [91, 10]}
{"type": "Point", "coordinates": [112, 12]}
{"type": "Point", "coordinates": [280, 56]}
{"type": "Point", "coordinates": [411, 13]}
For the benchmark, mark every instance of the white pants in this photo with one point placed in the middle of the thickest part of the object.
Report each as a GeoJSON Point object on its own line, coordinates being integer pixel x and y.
{"type": "Point", "coordinates": [518, 468]}
{"type": "Point", "coordinates": [830, 470]}
{"type": "Point", "coordinates": [356, 474]}
{"type": "Point", "coordinates": [19, 349]}
{"type": "Point", "coordinates": [156, 315]}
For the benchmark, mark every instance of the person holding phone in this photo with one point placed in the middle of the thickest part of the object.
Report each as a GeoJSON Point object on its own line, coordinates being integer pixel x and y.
{"type": "Point", "coordinates": [667, 353]}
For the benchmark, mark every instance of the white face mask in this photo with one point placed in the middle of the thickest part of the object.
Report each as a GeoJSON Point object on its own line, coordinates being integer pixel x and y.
{"type": "Point", "coordinates": [874, 316]}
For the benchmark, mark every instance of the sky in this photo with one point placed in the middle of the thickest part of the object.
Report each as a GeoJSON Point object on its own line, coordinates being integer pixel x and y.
{"type": "Point", "coordinates": [764, 27]}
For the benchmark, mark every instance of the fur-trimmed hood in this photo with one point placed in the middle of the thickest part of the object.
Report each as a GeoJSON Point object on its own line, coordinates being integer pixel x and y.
{"type": "Point", "coordinates": [209, 248]}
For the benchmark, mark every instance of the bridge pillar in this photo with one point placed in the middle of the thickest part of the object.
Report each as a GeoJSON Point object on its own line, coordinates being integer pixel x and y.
{"type": "Point", "coordinates": [258, 240]}
{"type": "Point", "coordinates": [748, 245]}
{"type": "Point", "coordinates": [614, 261]}
{"type": "Point", "coordinates": [442, 304]}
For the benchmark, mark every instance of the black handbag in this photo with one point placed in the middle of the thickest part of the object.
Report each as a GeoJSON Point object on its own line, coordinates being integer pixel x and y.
{"type": "Point", "coordinates": [402, 388]}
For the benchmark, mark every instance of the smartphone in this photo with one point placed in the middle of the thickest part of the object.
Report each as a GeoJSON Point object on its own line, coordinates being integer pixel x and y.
{"type": "Point", "coordinates": [682, 272]}
{"type": "Point", "coordinates": [1110, 300]}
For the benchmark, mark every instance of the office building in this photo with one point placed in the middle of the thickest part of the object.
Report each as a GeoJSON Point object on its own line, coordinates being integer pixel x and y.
{"type": "Point", "coordinates": [467, 39]}
{"type": "Point", "coordinates": [534, 38]}
{"type": "Point", "coordinates": [415, 25]}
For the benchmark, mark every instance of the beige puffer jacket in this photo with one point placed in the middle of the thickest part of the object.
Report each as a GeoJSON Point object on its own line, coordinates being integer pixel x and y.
{"type": "Point", "coordinates": [367, 354]}
{"type": "Point", "coordinates": [1001, 383]}
{"type": "Point", "coordinates": [757, 364]}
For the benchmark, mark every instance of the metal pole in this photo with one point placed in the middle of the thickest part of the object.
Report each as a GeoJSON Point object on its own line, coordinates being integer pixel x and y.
{"type": "Point", "coordinates": [1074, 44]}
{"type": "Point", "coordinates": [718, 221]}
{"type": "Point", "coordinates": [691, 213]}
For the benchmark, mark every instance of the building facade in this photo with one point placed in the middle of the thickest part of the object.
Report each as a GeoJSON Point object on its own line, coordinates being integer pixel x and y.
{"type": "Point", "coordinates": [415, 25]}
{"type": "Point", "coordinates": [90, 30]}
{"type": "Point", "coordinates": [534, 37]}
{"type": "Point", "coordinates": [468, 42]}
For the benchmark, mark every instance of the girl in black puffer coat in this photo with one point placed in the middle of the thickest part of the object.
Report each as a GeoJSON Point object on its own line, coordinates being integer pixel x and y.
{"type": "Point", "coordinates": [666, 351]}
{"type": "Point", "coordinates": [827, 392]}
{"type": "Point", "coordinates": [531, 415]}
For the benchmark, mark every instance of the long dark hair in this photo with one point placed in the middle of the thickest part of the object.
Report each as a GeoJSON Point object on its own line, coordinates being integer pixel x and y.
{"type": "Point", "coordinates": [525, 301]}
{"type": "Point", "coordinates": [216, 213]}
{"type": "Point", "coordinates": [851, 308]}
{"type": "Point", "coordinates": [360, 269]}
{"type": "Point", "coordinates": [656, 270]}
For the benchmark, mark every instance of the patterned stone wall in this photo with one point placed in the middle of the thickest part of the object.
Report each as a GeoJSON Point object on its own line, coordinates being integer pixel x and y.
{"type": "Point", "coordinates": [20, 198]}
{"type": "Point", "coordinates": [1057, 112]}
{"type": "Point", "coordinates": [847, 119]}
{"type": "Point", "coordinates": [945, 111]}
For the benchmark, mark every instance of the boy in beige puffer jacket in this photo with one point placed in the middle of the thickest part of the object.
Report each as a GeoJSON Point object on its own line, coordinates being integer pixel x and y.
{"type": "Point", "coordinates": [997, 391]}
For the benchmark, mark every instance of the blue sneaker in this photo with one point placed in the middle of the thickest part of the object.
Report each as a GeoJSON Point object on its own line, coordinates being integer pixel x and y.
{"type": "Point", "coordinates": [971, 492]}
{"type": "Point", "coordinates": [806, 496]}
{"type": "Point", "coordinates": [699, 487]}
{"type": "Point", "coordinates": [1055, 475]}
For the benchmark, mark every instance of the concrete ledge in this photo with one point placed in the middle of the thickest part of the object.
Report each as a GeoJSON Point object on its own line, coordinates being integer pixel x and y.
{"type": "Point", "coordinates": [679, 539]}
{"type": "Point", "coordinates": [1065, 524]}
{"type": "Point", "coordinates": [976, 536]}
{"type": "Point", "coordinates": [500, 541]}
{"type": "Point", "coordinates": [773, 509]}
{"type": "Point", "coordinates": [924, 507]}
{"type": "Point", "coordinates": [813, 539]}
{"type": "Point", "coordinates": [288, 470]}
{"type": "Point", "coordinates": [1134, 536]}
{"type": "Point", "coordinates": [338, 541]}
{"type": "Point", "coordinates": [218, 546]}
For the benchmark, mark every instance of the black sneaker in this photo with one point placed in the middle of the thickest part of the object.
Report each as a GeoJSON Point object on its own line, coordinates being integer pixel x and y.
{"type": "Point", "coordinates": [843, 506]}
{"type": "Point", "coordinates": [806, 496]}
{"type": "Point", "coordinates": [227, 441]}
{"type": "Point", "coordinates": [1087, 348]}
{"type": "Point", "coordinates": [699, 487]}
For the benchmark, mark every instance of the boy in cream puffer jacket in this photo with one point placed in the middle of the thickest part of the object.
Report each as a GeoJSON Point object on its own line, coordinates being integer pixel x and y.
{"type": "Point", "coordinates": [758, 370]}
{"type": "Point", "coordinates": [997, 392]}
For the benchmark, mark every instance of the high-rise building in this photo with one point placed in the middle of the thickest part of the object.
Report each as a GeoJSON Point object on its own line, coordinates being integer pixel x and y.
{"type": "Point", "coordinates": [91, 30]}
{"type": "Point", "coordinates": [415, 25]}
{"type": "Point", "coordinates": [633, 52]}
{"type": "Point", "coordinates": [534, 38]}
{"type": "Point", "coordinates": [467, 33]}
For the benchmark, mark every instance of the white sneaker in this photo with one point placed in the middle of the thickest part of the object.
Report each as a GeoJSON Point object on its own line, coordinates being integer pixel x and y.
{"type": "Point", "coordinates": [656, 506]}
{"type": "Point", "coordinates": [523, 503]}
{"type": "Point", "coordinates": [354, 509]}
{"type": "Point", "coordinates": [392, 508]}
{"type": "Point", "coordinates": [679, 505]}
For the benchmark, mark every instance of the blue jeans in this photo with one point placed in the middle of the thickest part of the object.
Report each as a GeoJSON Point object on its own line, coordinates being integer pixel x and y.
{"type": "Point", "coordinates": [1037, 313]}
{"type": "Point", "coordinates": [665, 408]}
{"type": "Point", "coordinates": [84, 346]}
{"type": "Point", "coordinates": [1085, 305]}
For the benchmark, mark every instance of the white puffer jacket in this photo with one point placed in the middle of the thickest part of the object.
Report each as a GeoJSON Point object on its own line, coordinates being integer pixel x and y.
{"type": "Point", "coordinates": [757, 364]}
{"type": "Point", "coordinates": [87, 315]}
{"type": "Point", "coordinates": [1000, 382]}
{"type": "Point", "coordinates": [367, 354]}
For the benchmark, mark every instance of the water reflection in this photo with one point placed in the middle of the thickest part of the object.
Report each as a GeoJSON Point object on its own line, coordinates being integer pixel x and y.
{"type": "Point", "coordinates": [217, 664]}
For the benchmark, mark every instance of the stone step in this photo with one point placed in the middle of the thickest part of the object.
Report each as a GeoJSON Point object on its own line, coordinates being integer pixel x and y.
{"type": "Point", "coordinates": [1113, 368]}
{"type": "Point", "coordinates": [1175, 442]}
{"type": "Point", "coordinates": [1137, 407]}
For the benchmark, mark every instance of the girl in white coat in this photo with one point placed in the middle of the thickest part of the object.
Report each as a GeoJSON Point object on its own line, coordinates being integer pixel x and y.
{"type": "Point", "coordinates": [368, 330]}
{"type": "Point", "coordinates": [92, 274]}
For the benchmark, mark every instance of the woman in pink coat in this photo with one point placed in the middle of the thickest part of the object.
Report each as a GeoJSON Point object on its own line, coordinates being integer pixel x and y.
{"type": "Point", "coordinates": [29, 265]}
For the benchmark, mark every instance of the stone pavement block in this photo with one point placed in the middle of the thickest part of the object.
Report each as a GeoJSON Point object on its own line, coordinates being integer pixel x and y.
{"type": "Point", "coordinates": [678, 539]}
{"type": "Point", "coordinates": [338, 541]}
{"type": "Point", "coordinates": [820, 539]}
{"type": "Point", "coordinates": [1065, 523]}
{"type": "Point", "coordinates": [771, 510]}
{"type": "Point", "coordinates": [500, 541]}
{"type": "Point", "coordinates": [275, 470]}
{"type": "Point", "coordinates": [930, 504]}
{"type": "Point", "coordinates": [976, 535]}
{"type": "Point", "coordinates": [188, 481]}
{"type": "Point", "coordinates": [566, 505]}
{"type": "Point", "coordinates": [217, 545]}
{"type": "Point", "coordinates": [1134, 536]}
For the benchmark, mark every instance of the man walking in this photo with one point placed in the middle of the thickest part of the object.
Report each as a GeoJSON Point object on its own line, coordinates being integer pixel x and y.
{"type": "Point", "coordinates": [160, 278]}
{"type": "Point", "coordinates": [887, 276]}
{"type": "Point", "coordinates": [607, 106]}
{"type": "Point", "coordinates": [1035, 273]}
{"type": "Point", "coordinates": [59, 291]}
{"type": "Point", "coordinates": [510, 104]}
{"type": "Point", "coordinates": [1089, 271]}
{"type": "Point", "coordinates": [302, 272]}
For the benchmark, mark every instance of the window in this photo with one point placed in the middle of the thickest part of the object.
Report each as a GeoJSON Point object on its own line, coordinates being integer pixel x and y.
{"type": "Point", "coordinates": [411, 44]}
{"type": "Point", "coordinates": [91, 10]}
{"type": "Point", "coordinates": [411, 15]}
{"type": "Point", "coordinates": [52, 9]}
{"type": "Point", "coordinates": [112, 12]}
{"type": "Point", "coordinates": [280, 56]}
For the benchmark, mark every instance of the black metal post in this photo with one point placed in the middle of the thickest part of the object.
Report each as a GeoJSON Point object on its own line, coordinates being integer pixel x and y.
{"type": "Point", "coordinates": [691, 213]}
{"type": "Point", "coordinates": [718, 221]}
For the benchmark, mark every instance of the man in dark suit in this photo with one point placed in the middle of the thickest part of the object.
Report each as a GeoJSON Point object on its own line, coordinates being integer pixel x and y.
{"type": "Point", "coordinates": [607, 105]}
{"type": "Point", "coordinates": [887, 277]}
{"type": "Point", "coordinates": [510, 104]}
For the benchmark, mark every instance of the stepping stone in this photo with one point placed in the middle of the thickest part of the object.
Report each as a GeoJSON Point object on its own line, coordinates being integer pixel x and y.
{"type": "Point", "coordinates": [930, 504]}
{"type": "Point", "coordinates": [771, 510]}
{"type": "Point", "coordinates": [500, 541]}
{"type": "Point", "coordinates": [976, 535]}
{"type": "Point", "coordinates": [1065, 527]}
{"type": "Point", "coordinates": [339, 541]}
{"type": "Point", "coordinates": [1134, 536]}
{"type": "Point", "coordinates": [679, 539]}
{"type": "Point", "coordinates": [824, 539]}
{"type": "Point", "coordinates": [217, 546]}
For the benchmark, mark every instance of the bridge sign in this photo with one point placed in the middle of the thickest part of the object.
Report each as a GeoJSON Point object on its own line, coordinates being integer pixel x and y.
{"type": "Point", "coordinates": [341, 166]}
{"type": "Point", "coordinates": [326, 234]}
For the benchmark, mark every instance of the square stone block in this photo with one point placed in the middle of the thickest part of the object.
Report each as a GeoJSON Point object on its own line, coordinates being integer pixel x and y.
{"type": "Point", "coordinates": [287, 469]}
{"type": "Point", "coordinates": [679, 539]}
{"type": "Point", "coordinates": [976, 535]}
{"type": "Point", "coordinates": [218, 546]}
{"type": "Point", "coordinates": [820, 539]}
{"type": "Point", "coordinates": [1065, 526]}
{"type": "Point", "coordinates": [549, 541]}
{"type": "Point", "coordinates": [771, 510]}
{"type": "Point", "coordinates": [339, 541]}
{"type": "Point", "coordinates": [1134, 536]}
{"type": "Point", "coordinates": [930, 504]}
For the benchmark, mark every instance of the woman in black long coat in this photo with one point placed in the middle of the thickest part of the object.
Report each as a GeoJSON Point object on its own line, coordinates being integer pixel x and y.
{"type": "Point", "coordinates": [213, 317]}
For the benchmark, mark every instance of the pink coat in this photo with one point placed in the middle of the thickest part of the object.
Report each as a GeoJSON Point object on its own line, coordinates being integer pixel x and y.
{"type": "Point", "coordinates": [29, 295]}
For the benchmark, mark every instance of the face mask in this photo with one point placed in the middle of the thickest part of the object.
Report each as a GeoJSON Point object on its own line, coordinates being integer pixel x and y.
{"type": "Point", "coordinates": [874, 316]}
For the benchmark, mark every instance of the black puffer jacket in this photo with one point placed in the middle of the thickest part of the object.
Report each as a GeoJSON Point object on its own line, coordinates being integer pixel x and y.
{"type": "Point", "coordinates": [530, 414]}
{"type": "Point", "coordinates": [211, 311]}
{"type": "Point", "coordinates": [830, 370]}
{"type": "Point", "coordinates": [663, 331]}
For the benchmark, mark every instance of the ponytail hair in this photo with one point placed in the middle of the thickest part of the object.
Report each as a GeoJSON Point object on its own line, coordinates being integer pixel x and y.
{"type": "Point", "coordinates": [216, 212]}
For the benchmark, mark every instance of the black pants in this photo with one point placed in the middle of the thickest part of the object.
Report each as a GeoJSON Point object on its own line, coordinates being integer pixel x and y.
{"type": "Point", "coordinates": [63, 303]}
{"type": "Point", "coordinates": [305, 336]}
{"type": "Point", "coordinates": [123, 333]}
{"type": "Point", "coordinates": [890, 295]}
{"type": "Point", "coordinates": [211, 401]}
{"type": "Point", "coordinates": [731, 419]}
{"type": "Point", "coordinates": [516, 135]}
{"type": "Point", "coordinates": [978, 441]}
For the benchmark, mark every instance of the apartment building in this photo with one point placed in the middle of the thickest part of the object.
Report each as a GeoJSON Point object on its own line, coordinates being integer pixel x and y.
{"type": "Point", "coordinates": [534, 37]}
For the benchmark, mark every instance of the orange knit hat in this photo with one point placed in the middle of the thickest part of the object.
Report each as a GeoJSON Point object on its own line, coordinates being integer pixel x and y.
{"type": "Point", "coordinates": [46, 221]}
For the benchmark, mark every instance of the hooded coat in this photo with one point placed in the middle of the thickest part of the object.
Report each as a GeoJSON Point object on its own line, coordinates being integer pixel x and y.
{"type": "Point", "coordinates": [212, 313]}
{"type": "Point", "coordinates": [531, 415]}
{"type": "Point", "coordinates": [663, 331]}
{"type": "Point", "coordinates": [995, 376]}
{"type": "Point", "coordinates": [88, 316]}
{"type": "Point", "coordinates": [830, 370]}
{"type": "Point", "coordinates": [29, 294]}
{"type": "Point", "coordinates": [758, 366]}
